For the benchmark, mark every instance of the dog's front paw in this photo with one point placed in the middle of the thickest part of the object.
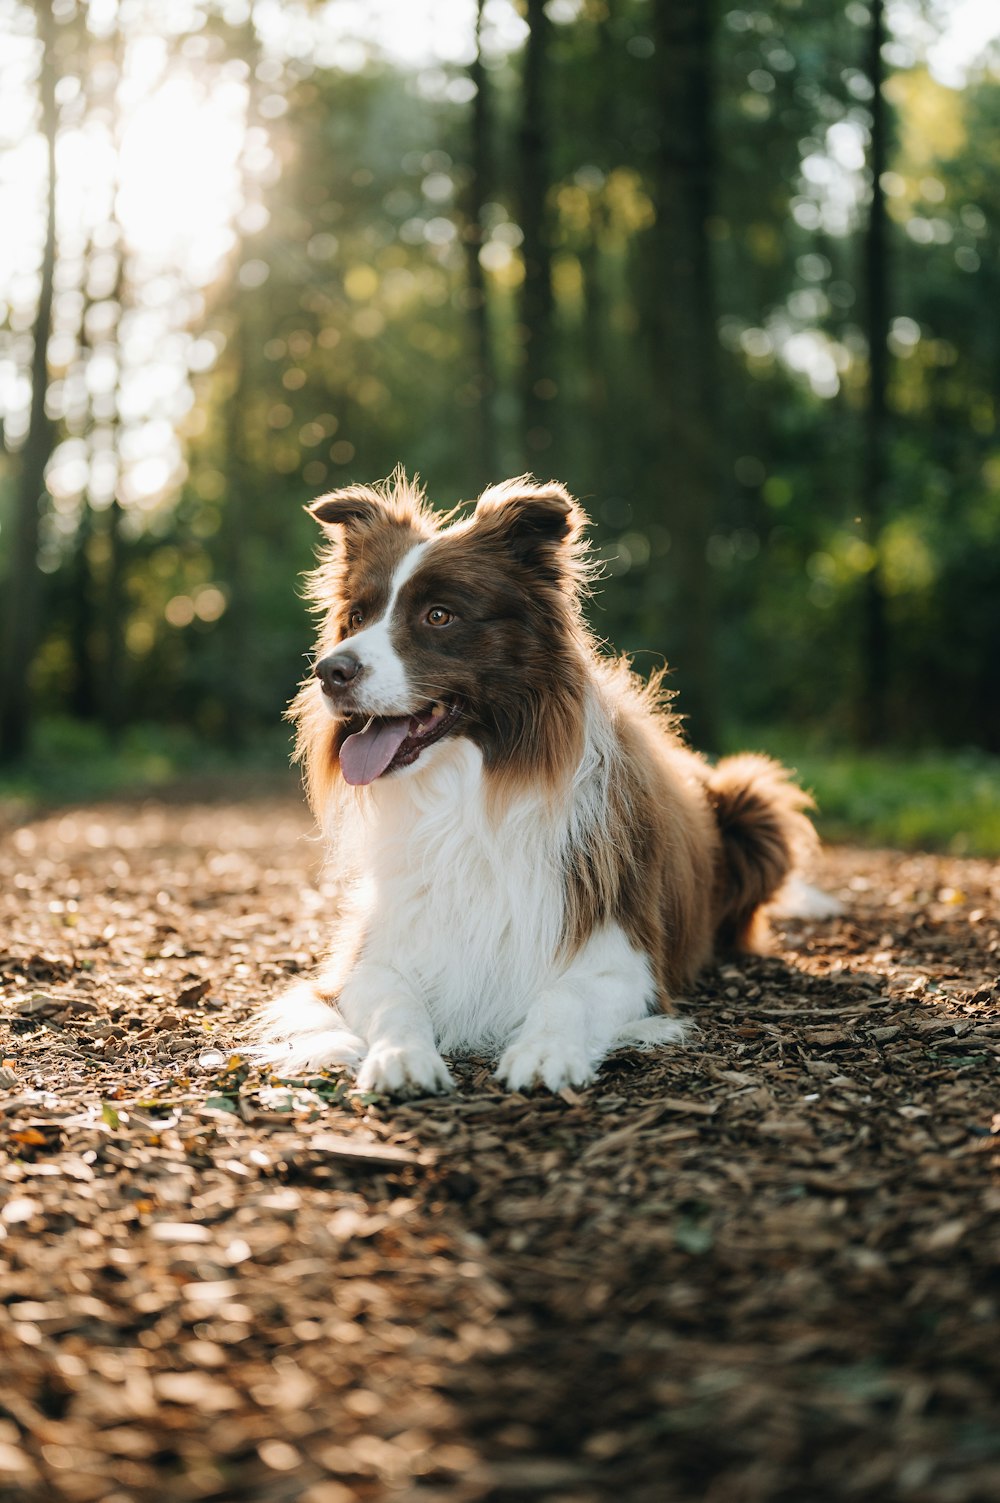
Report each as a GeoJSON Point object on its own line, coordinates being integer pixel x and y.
{"type": "Point", "coordinates": [404, 1070]}
{"type": "Point", "coordinates": [301, 1031]}
{"type": "Point", "coordinates": [547, 1060]}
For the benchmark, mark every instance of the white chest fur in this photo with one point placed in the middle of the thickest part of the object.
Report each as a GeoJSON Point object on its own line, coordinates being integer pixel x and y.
{"type": "Point", "coordinates": [467, 909]}
{"type": "Point", "coordinates": [450, 934]}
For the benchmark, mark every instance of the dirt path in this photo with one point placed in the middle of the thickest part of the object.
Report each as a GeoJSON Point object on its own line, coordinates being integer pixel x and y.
{"type": "Point", "coordinates": [758, 1270]}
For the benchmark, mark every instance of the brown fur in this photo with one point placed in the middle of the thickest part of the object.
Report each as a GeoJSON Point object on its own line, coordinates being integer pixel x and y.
{"type": "Point", "coordinates": [685, 856]}
{"type": "Point", "coordinates": [375, 526]}
{"type": "Point", "coordinates": [697, 851]}
{"type": "Point", "coordinates": [765, 834]}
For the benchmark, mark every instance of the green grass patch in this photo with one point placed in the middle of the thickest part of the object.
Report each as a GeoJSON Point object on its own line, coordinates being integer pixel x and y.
{"type": "Point", "coordinates": [74, 762]}
{"type": "Point", "coordinates": [942, 801]}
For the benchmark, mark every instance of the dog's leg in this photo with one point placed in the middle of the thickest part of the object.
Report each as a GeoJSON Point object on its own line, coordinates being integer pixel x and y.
{"type": "Point", "coordinates": [576, 1019]}
{"type": "Point", "coordinates": [303, 1030]}
{"type": "Point", "coordinates": [402, 1058]}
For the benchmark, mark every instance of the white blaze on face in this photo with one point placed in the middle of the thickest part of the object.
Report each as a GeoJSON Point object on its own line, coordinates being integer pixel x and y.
{"type": "Point", "coordinates": [385, 687]}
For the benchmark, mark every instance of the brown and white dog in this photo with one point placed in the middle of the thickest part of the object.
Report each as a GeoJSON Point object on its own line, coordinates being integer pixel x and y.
{"type": "Point", "coordinates": [532, 862]}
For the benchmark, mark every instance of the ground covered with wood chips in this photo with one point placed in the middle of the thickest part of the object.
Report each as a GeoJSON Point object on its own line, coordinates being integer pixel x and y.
{"type": "Point", "coordinates": [762, 1267]}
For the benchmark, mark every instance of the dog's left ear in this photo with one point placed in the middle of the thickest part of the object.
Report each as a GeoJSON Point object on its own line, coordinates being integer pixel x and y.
{"type": "Point", "coordinates": [353, 505]}
{"type": "Point", "coordinates": [534, 521]}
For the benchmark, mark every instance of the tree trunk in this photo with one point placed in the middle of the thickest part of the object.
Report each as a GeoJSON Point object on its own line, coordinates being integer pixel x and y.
{"type": "Point", "coordinates": [86, 642]}
{"type": "Point", "coordinates": [875, 634]}
{"type": "Point", "coordinates": [114, 689]}
{"type": "Point", "coordinates": [601, 392]}
{"type": "Point", "coordinates": [235, 626]}
{"type": "Point", "coordinates": [114, 694]}
{"type": "Point", "coordinates": [477, 196]}
{"type": "Point", "coordinates": [83, 695]}
{"type": "Point", "coordinates": [680, 316]}
{"type": "Point", "coordinates": [83, 624]}
{"type": "Point", "coordinates": [23, 587]}
{"type": "Point", "coordinates": [538, 388]}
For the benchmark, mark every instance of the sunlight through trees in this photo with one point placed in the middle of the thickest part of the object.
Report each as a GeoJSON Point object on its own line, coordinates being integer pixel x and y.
{"type": "Point", "coordinates": [731, 274]}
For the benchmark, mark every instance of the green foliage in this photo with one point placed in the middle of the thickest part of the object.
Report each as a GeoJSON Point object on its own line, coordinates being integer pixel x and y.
{"type": "Point", "coordinates": [929, 800]}
{"type": "Point", "coordinates": [341, 340]}
{"type": "Point", "coordinates": [74, 761]}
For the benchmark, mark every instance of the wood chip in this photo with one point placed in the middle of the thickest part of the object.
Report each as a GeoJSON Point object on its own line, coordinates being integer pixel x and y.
{"type": "Point", "coordinates": [347, 1150]}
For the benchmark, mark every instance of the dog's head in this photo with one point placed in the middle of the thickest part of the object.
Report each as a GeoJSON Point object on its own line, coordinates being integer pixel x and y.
{"type": "Point", "coordinates": [436, 629]}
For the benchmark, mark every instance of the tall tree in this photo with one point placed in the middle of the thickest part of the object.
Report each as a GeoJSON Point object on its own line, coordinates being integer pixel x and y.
{"type": "Point", "coordinates": [535, 167]}
{"type": "Point", "coordinates": [81, 586]}
{"type": "Point", "coordinates": [680, 316]}
{"type": "Point", "coordinates": [113, 689]}
{"type": "Point", "coordinates": [238, 513]}
{"type": "Point", "coordinates": [602, 394]}
{"type": "Point", "coordinates": [476, 197]}
{"type": "Point", "coordinates": [875, 636]}
{"type": "Point", "coordinates": [23, 587]}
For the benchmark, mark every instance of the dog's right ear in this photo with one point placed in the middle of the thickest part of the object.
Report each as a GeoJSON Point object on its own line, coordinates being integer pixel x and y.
{"type": "Point", "coordinates": [355, 505]}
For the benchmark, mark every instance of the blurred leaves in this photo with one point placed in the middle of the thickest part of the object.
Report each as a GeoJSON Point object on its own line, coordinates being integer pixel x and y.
{"type": "Point", "coordinates": [304, 319]}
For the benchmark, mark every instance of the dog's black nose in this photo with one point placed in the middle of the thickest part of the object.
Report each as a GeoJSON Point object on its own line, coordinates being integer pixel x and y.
{"type": "Point", "coordinates": [337, 671]}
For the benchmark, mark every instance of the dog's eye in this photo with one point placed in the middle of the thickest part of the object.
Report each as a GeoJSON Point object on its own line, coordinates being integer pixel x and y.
{"type": "Point", "coordinates": [355, 620]}
{"type": "Point", "coordinates": [438, 616]}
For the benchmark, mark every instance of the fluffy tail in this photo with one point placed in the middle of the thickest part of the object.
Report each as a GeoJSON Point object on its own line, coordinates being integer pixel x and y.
{"type": "Point", "coordinates": [765, 837]}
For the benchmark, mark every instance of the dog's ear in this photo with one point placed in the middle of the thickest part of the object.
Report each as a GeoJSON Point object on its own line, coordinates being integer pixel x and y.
{"type": "Point", "coordinates": [535, 521]}
{"type": "Point", "coordinates": [354, 505]}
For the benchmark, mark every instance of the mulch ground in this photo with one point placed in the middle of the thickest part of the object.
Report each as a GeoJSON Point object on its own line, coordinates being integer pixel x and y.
{"type": "Point", "coordinates": [760, 1269]}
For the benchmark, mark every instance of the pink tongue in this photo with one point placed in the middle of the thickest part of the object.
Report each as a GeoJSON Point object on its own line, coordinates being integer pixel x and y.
{"type": "Point", "coordinates": [366, 755]}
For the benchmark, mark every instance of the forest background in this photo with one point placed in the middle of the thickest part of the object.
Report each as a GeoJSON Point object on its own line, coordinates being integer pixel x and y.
{"type": "Point", "coordinates": [731, 274]}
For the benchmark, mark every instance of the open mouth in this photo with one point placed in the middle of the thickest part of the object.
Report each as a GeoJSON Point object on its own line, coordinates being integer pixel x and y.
{"type": "Point", "coordinates": [386, 742]}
